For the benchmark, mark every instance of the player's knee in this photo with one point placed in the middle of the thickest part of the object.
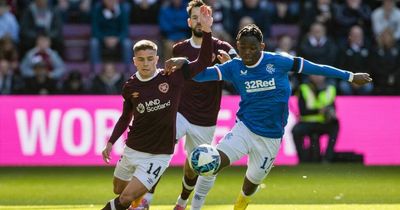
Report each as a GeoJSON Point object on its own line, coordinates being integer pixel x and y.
{"type": "Point", "coordinates": [224, 161]}
{"type": "Point", "coordinates": [255, 179]}
{"type": "Point", "coordinates": [118, 189]}
{"type": "Point", "coordinates": [189, 173]}
{"type": "Point", "coordinates": [249, 186]}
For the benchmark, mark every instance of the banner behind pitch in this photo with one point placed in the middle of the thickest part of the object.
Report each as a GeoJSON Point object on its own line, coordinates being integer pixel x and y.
{"type": "Point", "coordinates": [72, 130]}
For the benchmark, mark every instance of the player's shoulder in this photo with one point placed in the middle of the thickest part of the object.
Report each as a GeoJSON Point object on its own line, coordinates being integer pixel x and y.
{"type": "Point", "coordinates": [221, 43]}
{"type": "Point", "coordinates": [131, 81]}
{"type": "Point", "coordinates": [181, 44]}
{"type": "Point", "coordinates": [234, 63]}
{"type": "Point", "coordinates": [278, 56]}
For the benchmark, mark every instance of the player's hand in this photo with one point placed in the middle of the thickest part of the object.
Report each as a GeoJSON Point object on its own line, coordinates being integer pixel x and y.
{"type": "Point", "coordinates": [361, 78]}
{"type": "Point", "coordinates": [106, 153]}
{"type": "Point", "coordinates": [206, 19]}
{"type": "Point", "coordinates": [223, 56]}
{"type": "Point", "coordinates": [173, 64]}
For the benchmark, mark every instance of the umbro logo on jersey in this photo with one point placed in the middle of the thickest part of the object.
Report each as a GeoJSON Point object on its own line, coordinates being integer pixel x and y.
{"type": "Point", "coordinates": [270, 68]}
{"type": "Point", "coordinates": [135, 94]}
{"type": "Point", "coordinates": [243, 72]}
{"type": "Point", "coordinates": [163, 87]}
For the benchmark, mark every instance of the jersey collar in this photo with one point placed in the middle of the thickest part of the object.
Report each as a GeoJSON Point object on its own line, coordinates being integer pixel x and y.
{"type": "Point", "coordinates": [194, 44]}
{"type": "Point", "coordinates": [148, 79]}
{"type": "Point", "coordinates": [258, 62]}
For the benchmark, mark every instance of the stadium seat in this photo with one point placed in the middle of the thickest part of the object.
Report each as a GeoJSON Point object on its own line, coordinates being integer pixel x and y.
{"type": "Point", "coordinates": [278, 30]}
{"type": "Point", "coordinates": [76, 42]}
{"type": "Point", "coordinates": [119, 66]}
{"type": "Point", "coordinates": [285, 29]}
{"type": "Point", "coordinates": [145, 31]}
{"type": "Point", "coordinates": [83, 67]}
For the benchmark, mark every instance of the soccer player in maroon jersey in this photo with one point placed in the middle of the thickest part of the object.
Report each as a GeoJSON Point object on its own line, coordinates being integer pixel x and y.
{"type": "Point", "coordinates": [200, 103]}
{"type": "Point", "coordinates": [151, 98]}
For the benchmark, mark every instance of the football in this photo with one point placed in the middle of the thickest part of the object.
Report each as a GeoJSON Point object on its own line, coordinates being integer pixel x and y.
{"type": "Point", "coordinates": [204, 160]}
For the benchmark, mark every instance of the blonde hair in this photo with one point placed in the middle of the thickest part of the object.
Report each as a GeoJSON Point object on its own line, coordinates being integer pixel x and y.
{"type": "Point", "coordinates": [144, 45]}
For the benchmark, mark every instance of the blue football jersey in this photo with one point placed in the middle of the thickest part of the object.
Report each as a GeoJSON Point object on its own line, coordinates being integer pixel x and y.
{"type": "Point", "coordinates": [264, 88]}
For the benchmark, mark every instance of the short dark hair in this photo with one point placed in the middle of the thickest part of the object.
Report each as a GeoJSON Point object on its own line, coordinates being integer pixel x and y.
{"type": "Point", "coordinates": [250, 30]}
{"type": "Point", "coordinates": [194, 3]}
{"type": "Point", "coordinates": [144, 45]}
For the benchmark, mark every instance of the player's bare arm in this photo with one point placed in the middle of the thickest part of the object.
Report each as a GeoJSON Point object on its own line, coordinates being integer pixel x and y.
{"type": "Point", "coordinates": [106, 153]}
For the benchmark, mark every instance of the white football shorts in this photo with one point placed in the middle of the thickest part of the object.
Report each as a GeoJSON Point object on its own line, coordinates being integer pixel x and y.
{"type": "Point", "coordinates": [146, 167]}
{"type": "Point", "coordinates": [262, 151]}
{"type": "Point", "coordinates": [195, 134]}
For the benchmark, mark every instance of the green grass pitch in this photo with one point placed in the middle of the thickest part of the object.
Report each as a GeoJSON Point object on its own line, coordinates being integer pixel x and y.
{"type": "Point", "coordinates": [309, 186]}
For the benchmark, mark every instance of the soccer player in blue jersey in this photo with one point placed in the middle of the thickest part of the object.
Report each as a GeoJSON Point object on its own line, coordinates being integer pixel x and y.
{"type": "Point", "coordinates": [261, 78]}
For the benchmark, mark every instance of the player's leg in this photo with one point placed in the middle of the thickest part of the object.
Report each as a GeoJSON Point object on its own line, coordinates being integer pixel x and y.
{"type": "Point", "coordinates": [122, 176]}
{"type": "Point", "coordinates": [182, 127]}
{"type": "Point", "coordinates": [231, 148]}
{"type": "Point", "coordinates": [262, 154]}
{"type": "Point", "coordinates": [195, 136]}
{"type": "Point", "coordinates": [205, 183]}
{"type": "Point", "coordinates": [149, 170]}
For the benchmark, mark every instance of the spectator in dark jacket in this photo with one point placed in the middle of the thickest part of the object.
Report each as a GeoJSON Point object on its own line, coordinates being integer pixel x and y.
{"type": "Point", "coordinates": [320, 11]}
{"type": "Point", "coordinates": [40, 18]}
{"type": "Point", "coordinates": [173, 24]}
{"type": "Point", "coordinates": [110, 24]}
{"type": "Point", "coordinates": [10, 83]}
{"type": "Point", "coordinates": [145, 11]}
{"type": "Point", "coordinates": [353, 12]}
{"type": "Point", "coordinates": [252, 8]}
{"type": "Point", "coordinates": [41, 83]}
{"type": "Point", "coordinates": [386, 65]}
{"type": "Point", "coordinates": [355, 56]}
{"type": "Point", "coordinates": [108, 82]}
{"type": "Point", "coordinates": [318, 47]}
{"type": "Point", "coordinates": [74, 84]}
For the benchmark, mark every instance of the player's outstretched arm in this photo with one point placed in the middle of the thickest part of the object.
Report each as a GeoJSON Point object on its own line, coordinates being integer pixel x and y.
{"type": "Point", "coordinates": [205, 56]}
{"type": "Point", "coordinates": [307, 67]}
{"type": "Point", "coordinates": [361, 78]}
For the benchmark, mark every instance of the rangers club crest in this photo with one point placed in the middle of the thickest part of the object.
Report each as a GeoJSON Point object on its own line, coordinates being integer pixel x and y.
{"type": "Point", "coordinates": [270, 68]}
{"type": "Point", "coordinates": [140, 108]}
{"type": "Point", "coordinates": [163, 87]}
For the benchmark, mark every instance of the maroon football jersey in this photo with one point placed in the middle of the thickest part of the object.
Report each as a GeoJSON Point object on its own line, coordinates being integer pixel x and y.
{"type": "Point", "coordinates": [201, 101]}
{"type": "Point", "coordinates": [155, 104]}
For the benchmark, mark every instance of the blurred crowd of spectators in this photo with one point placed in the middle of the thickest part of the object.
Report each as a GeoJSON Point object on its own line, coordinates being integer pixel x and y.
{"type": "Point", "coordinates": [361, 36]}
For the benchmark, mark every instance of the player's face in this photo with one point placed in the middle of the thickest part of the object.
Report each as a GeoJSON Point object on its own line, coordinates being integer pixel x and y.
{"type": "Point", "coordinates": [194, 22]}
{"type": "Point", "coordinates": [249, 49]}
{"type": "Point", "coordinates": [146, 62]}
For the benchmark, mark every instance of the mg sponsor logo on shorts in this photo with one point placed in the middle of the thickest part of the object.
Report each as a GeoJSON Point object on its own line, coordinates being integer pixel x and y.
{"type": "Point", "coordinates": [260, 85]}
{"type": "Point", "coordinates": [152, 105]}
